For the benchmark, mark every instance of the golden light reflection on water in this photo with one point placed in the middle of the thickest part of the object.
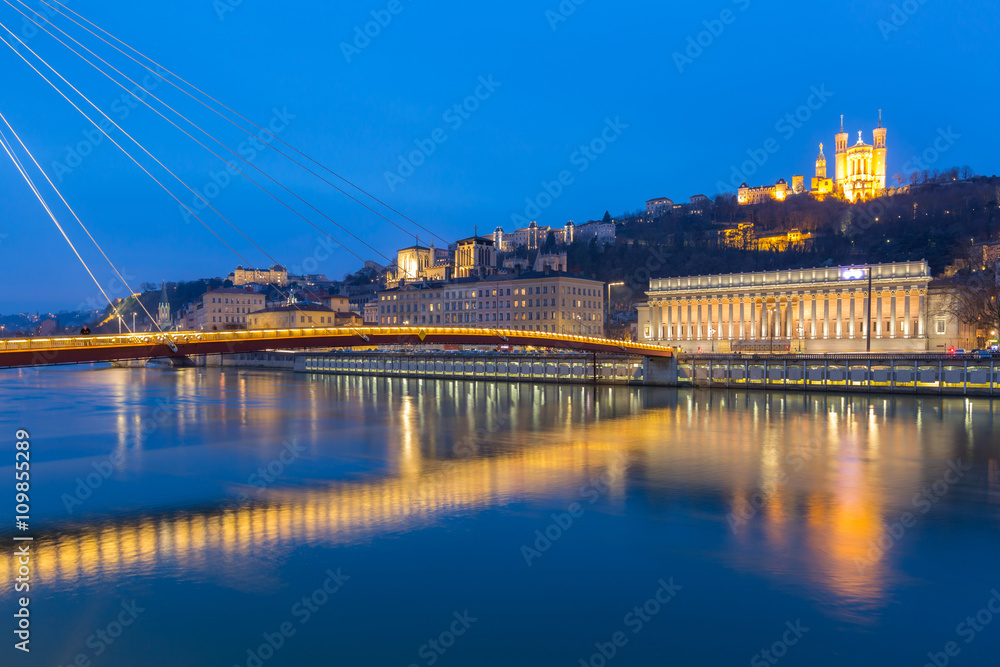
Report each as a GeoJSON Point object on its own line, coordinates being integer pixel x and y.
{"type": "Point", "coordinates": [830, 471]}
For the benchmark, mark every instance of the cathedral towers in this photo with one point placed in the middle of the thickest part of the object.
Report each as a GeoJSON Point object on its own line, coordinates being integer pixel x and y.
{"type": "Point", "coordinates": [861, 168]}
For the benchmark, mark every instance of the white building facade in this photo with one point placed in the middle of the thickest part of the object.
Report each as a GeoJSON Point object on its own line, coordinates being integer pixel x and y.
{"type": "Point", "coordinates": [808, 310]}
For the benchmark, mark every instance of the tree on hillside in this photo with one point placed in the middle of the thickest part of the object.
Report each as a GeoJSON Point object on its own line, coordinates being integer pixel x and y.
{"type": "Point", "coordinates": [976, 301]}
{"type": "Point", "coordinates": [607, 216]}
{"type": "Point", "coordinates": [550, 242]}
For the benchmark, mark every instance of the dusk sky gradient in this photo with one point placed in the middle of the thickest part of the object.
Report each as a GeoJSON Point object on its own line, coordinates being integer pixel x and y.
{"type": "Point", "coordinates": [557, 89]}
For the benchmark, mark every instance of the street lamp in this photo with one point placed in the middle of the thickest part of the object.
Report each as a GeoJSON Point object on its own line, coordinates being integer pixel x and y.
{"type": "Point", "coordinates": [607, 307]}
{"type": "Point", "coordinates": [711, 337]}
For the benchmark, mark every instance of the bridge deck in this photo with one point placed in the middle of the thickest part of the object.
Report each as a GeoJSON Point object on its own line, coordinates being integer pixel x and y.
{"type": "Point", "coordinates": [87, 349]}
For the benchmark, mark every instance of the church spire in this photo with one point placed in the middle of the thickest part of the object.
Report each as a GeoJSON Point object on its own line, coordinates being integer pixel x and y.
{"type": "Point", "coordinates": [880, 118]}
{"type": "Point", "coordinates": [841, 123]}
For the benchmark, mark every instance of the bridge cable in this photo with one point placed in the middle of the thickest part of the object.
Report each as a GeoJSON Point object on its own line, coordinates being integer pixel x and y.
{"type": "Point", "coordinates": [119, 146]}
{"type": "Point", "coordinates": [136, 142]}
{"type": "Point", "coordinates": [241, 116]}
{"type": "Point", "coordinates": [496, 330]}
{"type": "Point", "coordinates": [77, 218]}
{"type": "Point", "coordinates": [27, 177]}
{"type": "Point", "coordinates": [84, 114]}
{"type": "Point", "coordinates": [213, 138]}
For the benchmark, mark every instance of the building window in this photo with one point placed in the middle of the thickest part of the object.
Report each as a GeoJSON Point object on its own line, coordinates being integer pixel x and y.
{"type": "Point", "coordinates": [941, 326]}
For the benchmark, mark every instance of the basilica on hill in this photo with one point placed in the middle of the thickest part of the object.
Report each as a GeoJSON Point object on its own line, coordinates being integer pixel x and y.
{"type": "Point", "coordinates": [859, 173]}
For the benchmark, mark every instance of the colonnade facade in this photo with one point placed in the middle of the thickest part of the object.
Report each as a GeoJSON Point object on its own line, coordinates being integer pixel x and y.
{"type": "Point", "coordinates": [813, 310]}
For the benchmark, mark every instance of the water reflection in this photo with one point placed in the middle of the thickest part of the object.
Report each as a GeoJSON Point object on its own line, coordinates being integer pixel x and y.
{"type": "Point", "coordinates": [811, 477]}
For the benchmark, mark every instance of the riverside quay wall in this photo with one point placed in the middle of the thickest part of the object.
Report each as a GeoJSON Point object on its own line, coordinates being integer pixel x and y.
{"type": "Point", "coordinates": [499, 367]}
{"type": "Point", "coordinates": [961, 375]}
{"type": "Point", "coordinates": [964, 375]}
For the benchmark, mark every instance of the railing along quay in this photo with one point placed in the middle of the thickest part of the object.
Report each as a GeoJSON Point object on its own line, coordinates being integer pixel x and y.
{"type": "Point", "coordinates": [967, 375]}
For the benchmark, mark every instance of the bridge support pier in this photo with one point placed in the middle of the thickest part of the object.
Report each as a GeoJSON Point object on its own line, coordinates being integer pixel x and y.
{"type": "Point", "coordinates": [661, 371]}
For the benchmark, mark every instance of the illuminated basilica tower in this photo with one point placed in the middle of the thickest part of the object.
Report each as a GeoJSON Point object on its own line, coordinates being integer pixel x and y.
{"type": "Point", "coordinates": [861, 168]}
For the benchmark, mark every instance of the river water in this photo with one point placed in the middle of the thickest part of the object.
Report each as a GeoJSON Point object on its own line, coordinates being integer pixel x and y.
{"type": "Point", "coordinates": [223, 517]}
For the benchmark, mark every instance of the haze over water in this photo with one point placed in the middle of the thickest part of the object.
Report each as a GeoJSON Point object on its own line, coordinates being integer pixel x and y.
{"type": "Point", "coordinates": [510, 524]}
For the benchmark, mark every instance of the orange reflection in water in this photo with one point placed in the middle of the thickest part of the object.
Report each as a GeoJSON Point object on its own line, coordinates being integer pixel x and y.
{"type": "Point", "coordinates": [829, 472]}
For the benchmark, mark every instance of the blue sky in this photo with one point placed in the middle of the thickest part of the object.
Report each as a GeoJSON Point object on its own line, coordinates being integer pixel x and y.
{"type": "Point", "coordinates": [604, 75]}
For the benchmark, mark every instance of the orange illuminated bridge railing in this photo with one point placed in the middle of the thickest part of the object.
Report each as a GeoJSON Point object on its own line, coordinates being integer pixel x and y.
{"type": "Point", "coordinates": [86, 349]}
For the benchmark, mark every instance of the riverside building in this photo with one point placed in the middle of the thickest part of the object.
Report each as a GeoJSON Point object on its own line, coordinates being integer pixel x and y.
{"type": "Point", "coordinates": [535, 301]}
{"type": "Point", "coordinates": [802, 310]}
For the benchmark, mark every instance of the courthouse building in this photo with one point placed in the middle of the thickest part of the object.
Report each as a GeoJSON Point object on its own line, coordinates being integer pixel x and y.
{"type": "Point", "coordinates": [809, 310]}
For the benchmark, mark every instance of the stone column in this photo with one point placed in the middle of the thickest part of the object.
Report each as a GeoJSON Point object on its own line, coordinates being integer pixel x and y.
{"type": "Point", "coordinates": [922, 316]}
{"type": "Point", "coordinates": [907, 321]}
{"type": "Point", "coordinates": [865, 313]}
{"type": "Point", "coordinates": [892, 310]}
{"type": "Point", "coordinates": [697, 324]}
{"type": "Point", "coordinates": [743, 321]}
{"type": "Point", "coordinates": [788, 317]}
{"type": "Point", "coordinates": [839, 332]}
{"type": "Point", "coordinates": [802, 316]}
{"type": "Point", "coordinates": [878, 316]}
{"type": "Point", "coordinates": [731, 308]}
{"type": "Point", "coordinates": [812, 322]}
{"type": "Point", "coordinates": [826, 315]}
{"type": "Point", "coordinates": [753, 318]}
{"type": "Point", "coordinates": [850, 328]}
